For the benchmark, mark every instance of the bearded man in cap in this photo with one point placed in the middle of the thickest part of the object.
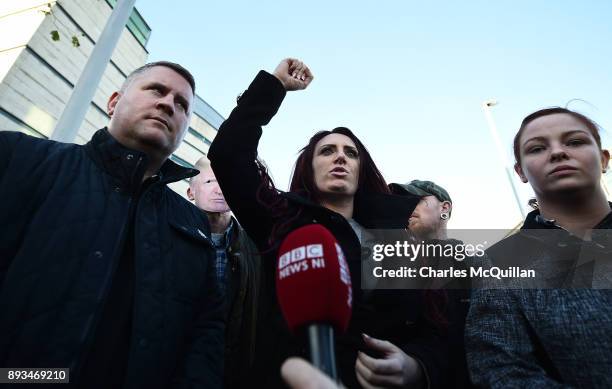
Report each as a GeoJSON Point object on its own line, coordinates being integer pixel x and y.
{"type": "Point", "coordinates": [429, 225]}
{"type": "Point", "coordinates": [430, 217]}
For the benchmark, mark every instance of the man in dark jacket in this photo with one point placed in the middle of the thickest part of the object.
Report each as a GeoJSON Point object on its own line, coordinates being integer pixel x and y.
{"type": "Point", "coordinates": [429, 225]}
{"type": "Point", "coordinates": [103, 269]}
{"type": "Point", "coordinates": [237, 267]}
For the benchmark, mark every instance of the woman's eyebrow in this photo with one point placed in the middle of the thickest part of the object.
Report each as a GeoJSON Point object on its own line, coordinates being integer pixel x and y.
{"type": "Point", "coordinates": [563, 135]}
{"type": "Point", "coordinates": [540, 138]}
{"type": "Point", "coordinates": [572, 132]}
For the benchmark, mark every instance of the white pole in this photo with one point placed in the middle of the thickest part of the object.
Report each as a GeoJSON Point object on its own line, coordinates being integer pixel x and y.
{"type": "Point", "coordinates": [486, 107]}
{"type": "Point", "coordinates": [70, 121]}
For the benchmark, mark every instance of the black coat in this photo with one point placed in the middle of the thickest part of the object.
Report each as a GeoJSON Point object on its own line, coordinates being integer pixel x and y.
{"type": "Point", "coordinates": [243, 272]}
{"type": "Point", "coordinates": [394, 315]}
{"type": "Point", "coordinates": [64, 214]}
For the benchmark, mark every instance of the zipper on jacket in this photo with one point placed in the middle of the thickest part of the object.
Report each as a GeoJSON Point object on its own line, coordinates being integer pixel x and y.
{"type": "Point", "coordinates": [87, 336]}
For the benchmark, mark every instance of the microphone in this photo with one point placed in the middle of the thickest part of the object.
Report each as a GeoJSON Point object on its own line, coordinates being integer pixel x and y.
{"type": "Point", "coordinates": [313, 285]}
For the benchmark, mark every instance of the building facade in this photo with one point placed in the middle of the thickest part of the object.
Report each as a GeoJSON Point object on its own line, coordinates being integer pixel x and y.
{"type": "Point", "coordinates": [44, 47]}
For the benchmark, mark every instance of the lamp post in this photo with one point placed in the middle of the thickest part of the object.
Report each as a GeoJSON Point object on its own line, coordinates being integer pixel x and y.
{"type": "Point", "coordinates": [486, 107]}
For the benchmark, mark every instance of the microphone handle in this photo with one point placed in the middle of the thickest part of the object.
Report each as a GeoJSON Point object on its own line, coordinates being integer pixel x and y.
{"type": "Point", "coordinates": [322, 349]}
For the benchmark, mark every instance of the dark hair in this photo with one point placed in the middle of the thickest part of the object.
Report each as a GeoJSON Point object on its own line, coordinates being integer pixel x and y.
{"type": "Point", "coordinates": [174, 66]}
{"type": "Point", "coordinates": [371, 180]}
{"type": "Point", "coordinates": [302, 182]}
{"type": "Point", "coordinates": [590, 125]}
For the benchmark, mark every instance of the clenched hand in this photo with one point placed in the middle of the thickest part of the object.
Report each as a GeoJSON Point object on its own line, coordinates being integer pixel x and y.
{"type": "Point", "coordinates": [293, 74]}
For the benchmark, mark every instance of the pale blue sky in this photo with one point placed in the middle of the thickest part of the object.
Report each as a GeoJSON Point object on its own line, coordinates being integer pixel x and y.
{"type": "Point", "coordinates": [407, 77]}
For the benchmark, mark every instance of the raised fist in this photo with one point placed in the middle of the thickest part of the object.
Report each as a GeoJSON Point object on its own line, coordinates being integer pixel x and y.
{"type": "Point", "coordinates": [293, 74]}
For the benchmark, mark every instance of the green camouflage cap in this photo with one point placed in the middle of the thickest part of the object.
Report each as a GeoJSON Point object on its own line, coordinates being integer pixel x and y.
{"type": "Point", "coordinates": [422, 189]}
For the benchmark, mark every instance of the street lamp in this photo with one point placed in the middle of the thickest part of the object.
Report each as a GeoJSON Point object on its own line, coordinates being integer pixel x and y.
{"type": "Point", "coordinates": [486, 107]}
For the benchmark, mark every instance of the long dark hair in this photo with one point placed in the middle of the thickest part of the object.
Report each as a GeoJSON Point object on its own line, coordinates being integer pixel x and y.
{"type": "Point", "coordinates": [371, 180]}
{"type": "Point", "coordinates": [302, 182]}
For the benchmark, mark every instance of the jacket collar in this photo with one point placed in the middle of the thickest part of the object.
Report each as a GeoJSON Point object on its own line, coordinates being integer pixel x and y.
{"type": "Point", "coordinates": [535, 221]}
{"type": "Point", "coordinates": [371, 210]}
{"type": "Point", "coordinates": [388, 211]}
{"type": "Point", "coordinates": [128, 166]}
{"type": "Point", "coordinates": [548, 232]}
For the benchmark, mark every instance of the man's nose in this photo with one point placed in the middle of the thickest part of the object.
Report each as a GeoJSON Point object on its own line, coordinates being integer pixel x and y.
{"type": "Point", "coordinates": [166, 103]}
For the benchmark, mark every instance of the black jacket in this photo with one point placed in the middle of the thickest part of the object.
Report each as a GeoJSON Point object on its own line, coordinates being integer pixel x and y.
{"type": "Point", "coordinates": [63, 215]}
{"type": "Point", "coordinates": [243, 272]}
{"type": "Point", "coordinates": [396, 315]}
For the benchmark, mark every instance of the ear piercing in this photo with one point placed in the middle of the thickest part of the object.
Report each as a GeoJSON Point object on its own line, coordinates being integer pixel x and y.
{"type": "Point", "coordinates": [444, 215]}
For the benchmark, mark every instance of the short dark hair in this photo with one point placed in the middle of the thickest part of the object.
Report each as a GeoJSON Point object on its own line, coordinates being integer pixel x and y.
{"type": "Point", "coordinates": [590, 125]}
{"type": "Point", "coordinates": [174, 66]}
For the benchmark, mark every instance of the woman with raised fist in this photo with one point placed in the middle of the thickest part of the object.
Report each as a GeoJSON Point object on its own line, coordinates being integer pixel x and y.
{"type": "Point", "coordinates": [336, 184]}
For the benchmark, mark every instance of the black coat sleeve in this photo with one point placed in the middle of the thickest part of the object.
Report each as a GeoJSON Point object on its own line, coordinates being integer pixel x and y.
{"type": "Point", "coordinates": [233, 154]}
{"type": "Point", "coordinates": [430, 348]}
{"type": "Point", "coordinates": [8, 142]}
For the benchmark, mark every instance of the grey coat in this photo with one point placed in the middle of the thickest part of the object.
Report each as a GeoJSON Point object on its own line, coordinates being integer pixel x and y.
{"type": "Point", "coordinates": [535, 338]}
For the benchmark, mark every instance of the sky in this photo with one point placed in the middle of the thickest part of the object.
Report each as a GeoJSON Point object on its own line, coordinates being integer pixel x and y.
{"type": "Point", "coordinates": [409, 78]}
